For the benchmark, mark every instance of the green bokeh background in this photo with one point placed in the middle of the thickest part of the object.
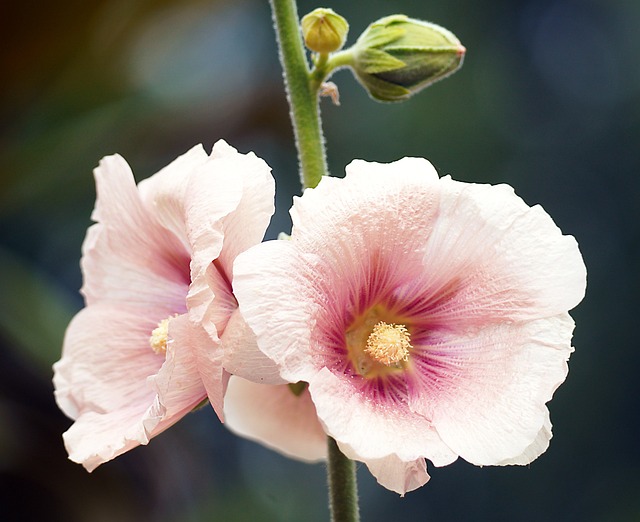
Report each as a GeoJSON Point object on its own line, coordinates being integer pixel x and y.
{"type": "Point", "coordinates": [548, 100]}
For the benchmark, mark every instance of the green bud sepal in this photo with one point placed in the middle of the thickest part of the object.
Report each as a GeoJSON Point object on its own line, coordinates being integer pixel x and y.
{"type": "Point", "coordinates": [397, 56]}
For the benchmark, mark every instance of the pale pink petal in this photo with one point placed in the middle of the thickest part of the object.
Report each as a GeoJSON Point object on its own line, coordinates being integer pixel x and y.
{"type": "Point", "coordinates": [275, 417]}
{"type": "Point", "coordinates": [374, 187]}
{"type": "Point", "coordinates": [194, 363]}
{"type": "Point", "coordinates": [374, 430]}
{"type": "Point", "coordinates": [178, 384]}
{"type": "Point", "coordinates": [105, 358]}
{"type": "Point", "coordinates": [494, 408]}
{"type": "Point", "coordinates": [242, 356]}
{"type": "Point", "coordinates": [535, 449]}
{"type": "Point", "coordinates": [281, 324]}
{"type": "Point", "coordinates": [96, 438]}
{"type": "Point", "coordinates": [163, 194]}
{"type": "Point", "coordinates": [397, 475]}
{"type": "Point", "coordinates": [246, 225]}
{"type": "Point", "coordinates": [211, 299]}
{"type": "Point", "coordinates": [106, 382]}
{"type": "Point", "coordinates": [128, 255]}
{"type": "Point", "coordinates": [241, 190]}
{"type": "Point", "coordinates": [394, 473]}
{"type": "Point", "coordinates": [208, 285]}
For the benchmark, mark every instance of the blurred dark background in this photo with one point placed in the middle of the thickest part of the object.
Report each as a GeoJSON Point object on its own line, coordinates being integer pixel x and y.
{"type": "Point", "coordinates": [548, 100]}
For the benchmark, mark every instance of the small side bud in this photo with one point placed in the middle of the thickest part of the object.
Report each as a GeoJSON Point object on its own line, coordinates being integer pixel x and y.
{"type": "Point", "coordinates": [298, 388]}
{"type": "Point", "coordinates": [397, 56]}
{"type": "Point", "coordinates": [324, 30]}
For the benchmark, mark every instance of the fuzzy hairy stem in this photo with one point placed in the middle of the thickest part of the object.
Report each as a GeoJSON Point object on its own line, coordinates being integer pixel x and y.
{"type": "Point", "coordinates": [302, 94]}
{"type": "Point", "coordinates": [343, 489]}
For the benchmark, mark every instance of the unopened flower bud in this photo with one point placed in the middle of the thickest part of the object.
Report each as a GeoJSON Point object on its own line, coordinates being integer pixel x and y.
{"type": "Point", "coordinates": [398, 56]}
{"type": "Point", "coordinates": [324, 30]}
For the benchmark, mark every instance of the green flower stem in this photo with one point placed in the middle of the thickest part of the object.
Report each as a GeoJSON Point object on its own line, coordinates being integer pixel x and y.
{"type": "Point", "coordinates": [343, 489]}
{"type": "Point", "coordinates": [319, 72]}
{"type": "Point", "coordinates": [326, 65]}
{"type": "Point", "coordinates": [302, 94]}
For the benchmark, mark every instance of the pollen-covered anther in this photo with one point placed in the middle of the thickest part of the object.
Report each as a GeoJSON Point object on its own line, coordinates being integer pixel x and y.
{"type": "Point", "coordinates": [159, 336]}
{"type": "Point", "coordinates": [389, 344]}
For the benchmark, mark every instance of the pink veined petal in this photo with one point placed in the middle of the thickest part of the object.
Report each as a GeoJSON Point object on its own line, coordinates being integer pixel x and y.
{"type": "Point", "coordinates": [491, 408]}
{"type": "Point", "coordinates": [372, 430]}
{"type": "Point", "coordinates": [275, 417]}
{"type": "Point", "coordinates": [127, 255]}
{"type": "Point", "coordinates": [163, 194]}
{"type": "Point", "coordinates": [242, 356]}
{"type": "Point", "coordinates": [501, 259]}
{"type": "Point", "coordinates": [178, 384]}
{"type": "Point", "coordinates": [106, 356]}
{"type": "Point", "coordinates": [105, 381]}
{"type": "Point", "coordinates": [241, 188]}
{"type": "Point", "coordinates": [324, 255]}
{"type": "Point", "coordinates": [280, 324]}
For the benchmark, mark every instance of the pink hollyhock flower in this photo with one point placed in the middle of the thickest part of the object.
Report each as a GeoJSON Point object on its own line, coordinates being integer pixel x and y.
{"type": "Point", "coordinates": [428, 317]}
{"type": "Point", "coordinates": [157, 266]}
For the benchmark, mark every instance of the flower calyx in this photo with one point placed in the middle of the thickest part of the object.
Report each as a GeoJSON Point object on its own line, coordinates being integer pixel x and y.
{"type": "Point", "coordinates": [397, 56]}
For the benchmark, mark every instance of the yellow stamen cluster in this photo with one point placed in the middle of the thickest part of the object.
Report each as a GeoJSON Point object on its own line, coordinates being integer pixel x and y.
{"type": "Point", "coordinates": [158, 339]}
{"type": "Point", "coordinates": [389, 343]}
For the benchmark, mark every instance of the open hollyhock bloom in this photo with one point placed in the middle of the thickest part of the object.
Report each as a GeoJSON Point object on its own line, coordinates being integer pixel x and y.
{"type": "Point", "coordinates": [428, 317]}
{"type": "Point", "coordinates": [157, 266]}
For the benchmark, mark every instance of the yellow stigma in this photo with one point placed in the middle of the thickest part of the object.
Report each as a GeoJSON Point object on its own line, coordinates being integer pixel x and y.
{"type": "Point", "coordinates": [158, 339]}
{"type": "Point", "coordinates": [389, 343]}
